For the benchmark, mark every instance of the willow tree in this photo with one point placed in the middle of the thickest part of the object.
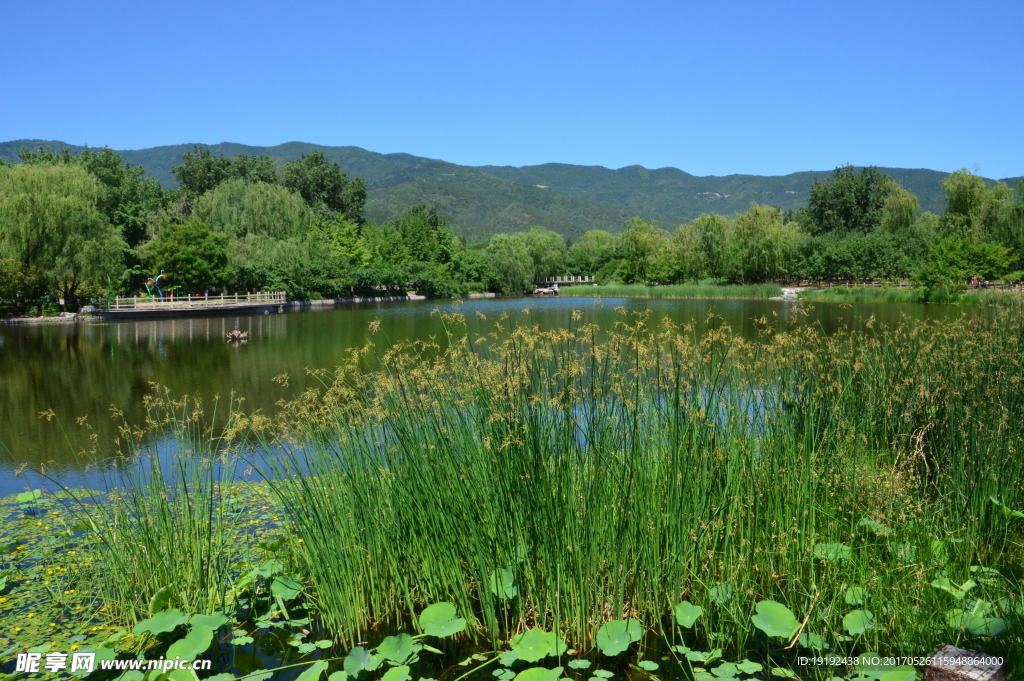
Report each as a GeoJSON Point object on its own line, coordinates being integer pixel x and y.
{"type": "Point", "coordinates": [765, 243]}
{"type": "Point", "coordinates": [640, 245]}
{"type": "Point", "coordinates": [236, 208]}
{"type": "Point", "coordinates": [50, 221]}
{"type": "Point", "coordinates": [547, 250]}
{"type": "Point", "coordinates": [714, 232]}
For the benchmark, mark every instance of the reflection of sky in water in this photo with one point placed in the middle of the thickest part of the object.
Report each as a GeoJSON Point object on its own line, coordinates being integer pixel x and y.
{"type": "Point", "coordinates": [84, 369]}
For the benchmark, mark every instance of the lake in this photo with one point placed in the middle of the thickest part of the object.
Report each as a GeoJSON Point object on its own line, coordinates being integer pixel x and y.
{"type": "Point", "coordinates": [84, 370]}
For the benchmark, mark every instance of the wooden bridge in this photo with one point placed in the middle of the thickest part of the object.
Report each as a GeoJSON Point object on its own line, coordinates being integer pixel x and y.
{"type": "Point", "coordinates": [138, 307]}
{"type": "Point", "coordinates": [563, 280]}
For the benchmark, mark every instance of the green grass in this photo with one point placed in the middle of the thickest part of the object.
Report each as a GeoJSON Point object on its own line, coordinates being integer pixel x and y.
{"type": "Point", "coordinates": [697, 291]}
{"type": "Point", "coordinates": [552, 480]}
{"type": "Point", "coordinates": [994, 298]}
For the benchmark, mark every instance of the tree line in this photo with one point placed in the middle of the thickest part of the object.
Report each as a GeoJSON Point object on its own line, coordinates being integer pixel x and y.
{"type": "Point", "coordinates": [89, 225]}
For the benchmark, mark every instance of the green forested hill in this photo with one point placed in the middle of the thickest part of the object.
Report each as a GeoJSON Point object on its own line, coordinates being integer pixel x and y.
{"type": "Point", "coordinates": [569, 199]}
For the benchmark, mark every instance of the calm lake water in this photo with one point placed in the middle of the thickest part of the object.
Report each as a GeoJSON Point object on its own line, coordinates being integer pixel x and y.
{"type": "Point", "coordinates": [85, 369]}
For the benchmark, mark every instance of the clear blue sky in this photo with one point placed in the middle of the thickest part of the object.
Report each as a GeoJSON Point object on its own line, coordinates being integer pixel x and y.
{"type": "Point", "coordinates": [710, 87]}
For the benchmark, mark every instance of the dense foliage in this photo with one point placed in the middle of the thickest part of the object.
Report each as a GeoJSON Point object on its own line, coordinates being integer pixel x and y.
{"type": "Point", "coordinates": [91, 225]}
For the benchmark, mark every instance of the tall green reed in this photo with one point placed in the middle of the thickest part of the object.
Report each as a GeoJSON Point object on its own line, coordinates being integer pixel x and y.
{"type": "Point", "coordinates": [549, 479]}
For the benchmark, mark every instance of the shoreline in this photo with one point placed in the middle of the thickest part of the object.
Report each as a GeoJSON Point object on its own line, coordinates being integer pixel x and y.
{"type": "Point", "coordinates": [291, 306]}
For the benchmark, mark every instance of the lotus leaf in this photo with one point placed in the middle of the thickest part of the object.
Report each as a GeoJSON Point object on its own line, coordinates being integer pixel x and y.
{"type": "Point", "coordinates": [286, 587]}
{"type": "Point", "coordinates": [615, 636]}
{"type": "Point", "coordinates": [397, 649]}
{"type": "Point", "coordinates": [721, 593]}
{"type": "Point", "coordinates": [687, 613]}
{"type": "Point", "coordinates": [725, 669]}
{"type": "Point", "coordinates": [855, 595]}
{"type": "Point", "coordinates": [503, 584]}
{"type": "Point", "coordinates": [539, 674]}
{"type": "Point", "coordinates": [833, 551]}
{"type": "Point", "coordinates": [314, 672]}
{"type": "Point", "coordinates": [215, 621]}
{"type": "Point", "coordinates": [356, 661]}
{"type": "Point", "coordinates": [160, 600]}
{"type": "Point", "coordinates": [579, 664]}
{"type": "Point", "coordinates": [813, 641]}
{"type": "Point", "coordinates": [533, 645]}
{"type": "Point", "coordinates": [957, 592]}
{"type": "Point", "coordinates": [396, 674]}
{"type": "Point", "coordinates": [439, 620]}
{"type": "Point", "coordinates": [858, 621]}
{"type": "Point", "coordinates": [162, 622]}
{"type": "Point", "coordinates": [748, 667]}
{"type": "Point", "coordinates": [196, 641]}
{"type": "Point", "coordinates": [775, 619]}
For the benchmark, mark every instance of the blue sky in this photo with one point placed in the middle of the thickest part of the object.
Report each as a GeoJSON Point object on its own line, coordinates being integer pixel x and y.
{"type": "Point", "coordinates": [708, 87]}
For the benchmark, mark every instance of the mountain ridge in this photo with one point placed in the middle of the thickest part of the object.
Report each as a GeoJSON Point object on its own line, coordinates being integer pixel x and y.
{"type": "Point", "coordinates": [570, 199]}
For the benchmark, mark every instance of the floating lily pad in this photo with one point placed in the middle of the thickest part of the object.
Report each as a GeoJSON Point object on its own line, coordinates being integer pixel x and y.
{"type": "Point", "coordinates": [648, 665]}
{"type": "Point", "coordinates": [579, 664]}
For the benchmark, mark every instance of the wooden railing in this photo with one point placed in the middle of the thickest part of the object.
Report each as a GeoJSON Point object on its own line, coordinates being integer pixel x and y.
{"type": "Point", "coordinates": [199, 301]}
{"type": "Point", "coordinates": [564, 280]}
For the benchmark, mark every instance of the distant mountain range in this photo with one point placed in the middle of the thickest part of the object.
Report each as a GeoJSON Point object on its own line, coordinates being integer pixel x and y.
{"type": "Point", "coordinates": [570, 199]}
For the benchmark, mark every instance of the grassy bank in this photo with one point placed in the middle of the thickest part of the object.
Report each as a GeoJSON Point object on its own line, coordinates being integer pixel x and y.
{"type": "Point", "coordinates": [674, 291]}
{"type": "Point", "coordinates": [994, 298]}
{"type": "Point", "coordinates": [763, 500]}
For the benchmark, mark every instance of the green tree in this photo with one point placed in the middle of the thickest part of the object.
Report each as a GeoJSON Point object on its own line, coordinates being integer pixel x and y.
{"type": "Point", "coordinates": [18, 282]}
{"type": "Point", "coordinates": [954, 260]}
{"type": "Point", "coordinates": [848, 201]}
{"type": "Point", "coordinates": [547, 250]}
{"type": "Point", "coordinates": [193, 256]}
{"type": "Point", "coordinates": [682, 259]}
{"type": "Point", "coordinates": [324, 187]}
{"type": "Point", "coordinates": [510, 257]}
{"type": "Point", "coordinates": [716, 242]}
{"type": "Point", "coordinates": [473, 268]}
{"type": "Point", "coordinates": [237, 208]}
{"type": "Point", "coordinates": [765, 244]}
{"type": "Point", "coordinates": [50, 220]}
{"type": "Point", "coordinates": [130, 194]}
{"type": "Point", "coordinates": [591, 252]}
{"type": "Point", "coordinates": [200, 171]}
{"type": "Point", "coordinates": [639, 245]}
{"type": "Point", "coordinates": [426, 235]}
